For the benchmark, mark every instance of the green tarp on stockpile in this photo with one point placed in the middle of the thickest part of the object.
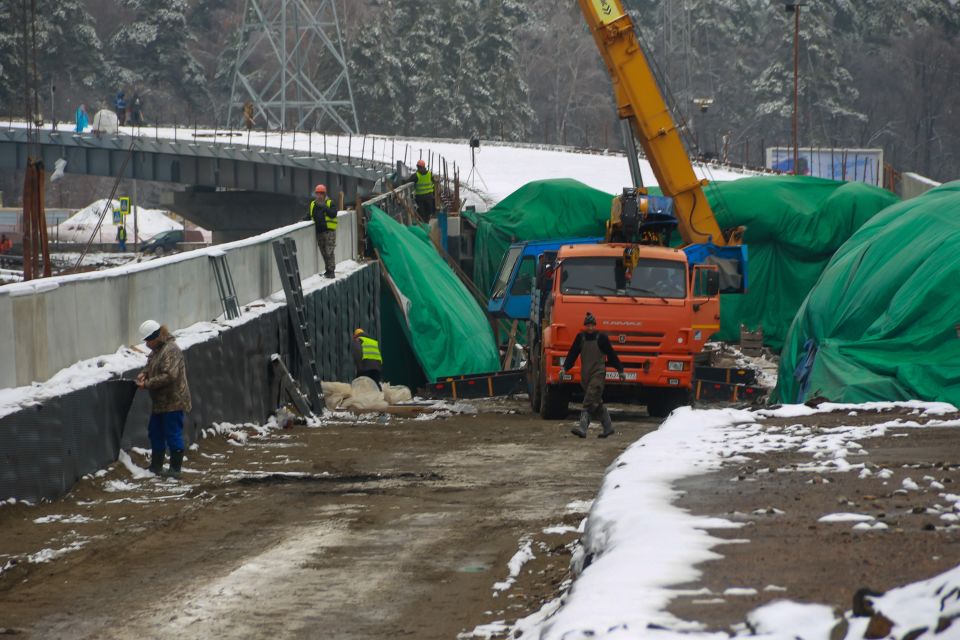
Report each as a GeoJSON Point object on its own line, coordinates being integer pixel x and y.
{"type": "Point", "coordinates": [541, 210]}
{"type": "Point", "coordinates": [882, 321]}
{"type": "Point", "coordinates": [794, 224]}
{"type": "Point", "coordinates": [445, 326]}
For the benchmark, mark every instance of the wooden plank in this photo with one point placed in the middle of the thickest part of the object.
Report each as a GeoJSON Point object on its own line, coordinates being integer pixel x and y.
{"type": "Point", "coordinates": [508, 355]}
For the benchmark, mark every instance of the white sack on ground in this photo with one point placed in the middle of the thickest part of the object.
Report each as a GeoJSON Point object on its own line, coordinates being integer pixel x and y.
{"type": "Point", "coordinates": [396, 394]}
{"type": "Point", "coordinates": [365, 396]}
{"type": "Point", "coordinates": [362, 394]}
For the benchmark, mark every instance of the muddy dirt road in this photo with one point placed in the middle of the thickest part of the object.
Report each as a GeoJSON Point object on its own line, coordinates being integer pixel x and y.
{"type": "Point", "coordinates": [352, 530]}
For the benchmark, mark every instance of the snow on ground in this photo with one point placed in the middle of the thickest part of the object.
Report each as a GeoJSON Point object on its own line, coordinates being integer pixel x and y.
{"type": "Point", "coordinates": [80, 226]}
{"type": "Point", "coordinates": [637, 547]}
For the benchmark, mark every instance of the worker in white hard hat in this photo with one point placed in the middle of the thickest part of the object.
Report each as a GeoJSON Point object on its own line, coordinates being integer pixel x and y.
{"type": "Point", "coordinates": [165, 377]}
{"type": "Point", "coordinates": [324, 218]}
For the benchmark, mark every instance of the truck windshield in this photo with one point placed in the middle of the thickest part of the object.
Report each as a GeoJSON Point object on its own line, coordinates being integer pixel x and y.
{"type": "Point", "coordinates": [607, 277]}
{"type": "Point", "coordinates": [506, 270]}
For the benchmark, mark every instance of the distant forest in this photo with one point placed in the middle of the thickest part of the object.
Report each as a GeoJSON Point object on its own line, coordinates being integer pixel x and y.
{"type": "Point", "coordinates": [873, 73]}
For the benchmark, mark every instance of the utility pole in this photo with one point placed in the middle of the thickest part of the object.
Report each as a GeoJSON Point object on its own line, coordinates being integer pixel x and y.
{"type": "Point", "coordinates": [794, 8]}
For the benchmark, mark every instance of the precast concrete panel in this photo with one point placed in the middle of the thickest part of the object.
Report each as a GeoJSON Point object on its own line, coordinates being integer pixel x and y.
{"type": "Point", "coordinates": [29, 324]}
{"type": "Point", "coordinates": [8, 351]}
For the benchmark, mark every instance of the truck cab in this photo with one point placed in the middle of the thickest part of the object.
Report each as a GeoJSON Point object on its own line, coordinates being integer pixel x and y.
{"type": "Point", "coordinates": [658, 313]}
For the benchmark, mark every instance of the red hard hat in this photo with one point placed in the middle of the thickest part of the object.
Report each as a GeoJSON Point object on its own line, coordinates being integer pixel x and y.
{"type": "Point", "coordinates": [421, 163]}
{"type": "Point", "coordinates": [321, 188]}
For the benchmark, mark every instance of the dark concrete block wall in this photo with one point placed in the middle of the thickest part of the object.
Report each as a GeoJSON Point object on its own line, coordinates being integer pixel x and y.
{"type": "Point", "coordinates": [45, 449]}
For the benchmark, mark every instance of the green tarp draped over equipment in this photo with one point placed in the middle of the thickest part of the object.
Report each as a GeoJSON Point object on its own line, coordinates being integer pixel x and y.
{"type": "Point", "coordinates": [793, 226]}
{"type": "Point", "coordinates": [882, 321]}
{"type": "Point", "coordinates": [445, 326]}
{"type": "Point", "coordinates": [540, 210]}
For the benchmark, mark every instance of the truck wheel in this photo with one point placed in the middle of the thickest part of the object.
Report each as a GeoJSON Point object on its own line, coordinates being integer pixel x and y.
{"type": "Point", "coordinates": [554, 401]}
{"type": "Point", "coordinates": [666, 400]}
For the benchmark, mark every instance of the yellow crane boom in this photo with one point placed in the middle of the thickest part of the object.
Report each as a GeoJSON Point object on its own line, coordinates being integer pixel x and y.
{"type": "Point", "coordinates": [640, 102]}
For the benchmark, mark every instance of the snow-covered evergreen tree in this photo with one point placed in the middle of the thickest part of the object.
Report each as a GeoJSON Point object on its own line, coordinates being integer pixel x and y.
{"type": "Point", "coordinates": [378, 70]}
{"type": "Point", "coordinates": [496, 88]}
{"type": "Point", "coordinates": [828, 95]}
{"type": "Point", "coordinates": [68, 51]}
{"type": "Point", "coordinates": [154, 55]}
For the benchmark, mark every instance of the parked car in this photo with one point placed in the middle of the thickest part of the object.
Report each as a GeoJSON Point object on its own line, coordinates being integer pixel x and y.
{"type": "Point", "coordinates": [172, 241]}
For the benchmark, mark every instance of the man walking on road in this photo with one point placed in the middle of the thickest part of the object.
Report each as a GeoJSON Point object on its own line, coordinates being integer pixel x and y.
{"type": "Point", "coordinates": [594, 349]}
{"type": "Point", "coordinates": [424, 191]}
{"type": "Point", "coordinates": [366, 355]}
{"type": "Point", "coordinates": [165, 377]}
{"type": "Point", "coordinates": [324, 219]}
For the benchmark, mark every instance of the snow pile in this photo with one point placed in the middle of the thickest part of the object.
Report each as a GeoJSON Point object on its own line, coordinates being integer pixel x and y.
{"type": "Point", "coordinates": [80, 226]}
{"type": "Point", "coordinates": [520, 558]}
{"type": "Point", "coordinates": [929, 604]}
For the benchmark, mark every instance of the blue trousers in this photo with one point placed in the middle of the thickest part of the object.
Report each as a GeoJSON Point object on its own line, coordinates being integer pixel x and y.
{"type": "Point", "coordinates": [166, 431]}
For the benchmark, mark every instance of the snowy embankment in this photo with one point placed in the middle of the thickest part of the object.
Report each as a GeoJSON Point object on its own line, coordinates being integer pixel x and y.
{"type": "Point", "coordinates": [637, 547]}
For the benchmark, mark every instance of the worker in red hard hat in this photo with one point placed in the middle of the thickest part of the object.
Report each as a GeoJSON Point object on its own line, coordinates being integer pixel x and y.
{"type": "Point", "coordinates": [324, 217]}
{"type": "Point", "coordinates": [424, 191]}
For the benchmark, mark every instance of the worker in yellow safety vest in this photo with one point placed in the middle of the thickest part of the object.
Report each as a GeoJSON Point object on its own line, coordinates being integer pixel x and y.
{"type": "Point", "coordinates": [324, 218]}
{"type": "Point", "coordinates": [366, 355]}
{"type": "Point", "coordinates": [424, 191]}
{"type": "Point", "coordinates": [122, 237]}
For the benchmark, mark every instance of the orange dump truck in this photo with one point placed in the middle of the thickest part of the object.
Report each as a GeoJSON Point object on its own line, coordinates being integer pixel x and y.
{"type": "Point", "coordinates": [657, 314]}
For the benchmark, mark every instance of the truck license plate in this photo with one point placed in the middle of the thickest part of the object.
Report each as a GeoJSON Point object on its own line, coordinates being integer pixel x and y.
{"type": "Point", "coordinates": [613, 375]}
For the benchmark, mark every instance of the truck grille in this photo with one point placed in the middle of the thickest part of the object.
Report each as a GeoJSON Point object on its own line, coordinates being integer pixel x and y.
{"type": "Point", "coordinates": [639, 340]}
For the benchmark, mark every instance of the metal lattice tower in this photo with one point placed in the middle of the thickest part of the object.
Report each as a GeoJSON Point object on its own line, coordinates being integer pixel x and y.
{"type": "Point", "coordinates": [290, 65]}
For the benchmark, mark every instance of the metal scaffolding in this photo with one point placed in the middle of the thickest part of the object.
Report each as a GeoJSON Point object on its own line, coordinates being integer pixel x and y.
{"type": "Point", "coordinates": [291, 69]}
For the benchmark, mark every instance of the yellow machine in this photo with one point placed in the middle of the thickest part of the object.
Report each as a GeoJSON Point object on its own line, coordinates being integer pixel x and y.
{"type": "Point", "coordinates": [640, 102]}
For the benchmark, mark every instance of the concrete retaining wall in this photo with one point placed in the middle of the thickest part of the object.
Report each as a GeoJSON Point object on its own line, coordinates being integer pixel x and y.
{"type": "Point", "coordinates": [913, 185]}
{"type": "Point", "coordinates": [46, 448]}
{"type": "Point", "coordinates": [47, 325]}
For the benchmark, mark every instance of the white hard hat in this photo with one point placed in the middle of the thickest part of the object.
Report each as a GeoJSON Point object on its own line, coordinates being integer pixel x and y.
{"type": "Point", "coordinates": [148, 328]}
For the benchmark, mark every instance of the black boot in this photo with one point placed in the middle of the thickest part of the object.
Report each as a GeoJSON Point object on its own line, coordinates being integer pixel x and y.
{"type": "Point", "coordinates": [607, 424]}
{"type": "Point", "coordinates": [156, 461]}
{"type": "Point", "coordinates": [176, 461]}
{"type": "Point", "coordinates": [581, 429]}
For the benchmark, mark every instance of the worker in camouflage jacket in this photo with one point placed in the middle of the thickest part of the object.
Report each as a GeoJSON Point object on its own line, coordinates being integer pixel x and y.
{"type": "Point", "coordinates": [595, 351]}
{"type": "Point", "coordinates": [165, 378]}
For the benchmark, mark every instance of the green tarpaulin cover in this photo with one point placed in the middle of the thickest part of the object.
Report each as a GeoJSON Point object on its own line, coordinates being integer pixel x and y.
{"type": "Point", "coordinates": [794, 224]}
{"type": "Point", "coordinates": [448, 331]}
{"type": "Point", "coordinates": [540, 210]}
{"type": "Point", "coordinates": [882, 321]}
